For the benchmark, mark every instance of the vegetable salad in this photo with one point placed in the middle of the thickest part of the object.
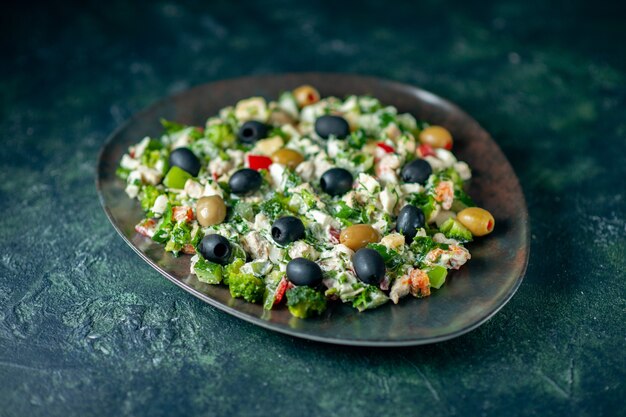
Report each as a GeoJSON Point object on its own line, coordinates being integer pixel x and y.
{"type": "Point", "coordinates": [305, 200]}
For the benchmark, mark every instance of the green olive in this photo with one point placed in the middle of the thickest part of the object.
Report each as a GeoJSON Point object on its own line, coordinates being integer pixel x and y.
{"type": "Point", "coordinates": [305, 95]}
{"type": "Point", "coordinates": [437, 137]}
{"type": "Point", "coordinates": [288, 157]}
{"type": "Point", "coordinates": [358, 236]}
{"type": "Point", "coordinates": [479, 221]}
{"type": "Point", "coordinates": [210, 210]}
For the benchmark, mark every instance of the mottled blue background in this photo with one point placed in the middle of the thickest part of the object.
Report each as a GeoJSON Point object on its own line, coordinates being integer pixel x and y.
{"type": "Point", "coordinates": [88, 329]}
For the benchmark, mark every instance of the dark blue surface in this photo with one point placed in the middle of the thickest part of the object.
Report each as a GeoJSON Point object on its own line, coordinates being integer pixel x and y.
{"type": "Point", "coordinates": [86, 328]}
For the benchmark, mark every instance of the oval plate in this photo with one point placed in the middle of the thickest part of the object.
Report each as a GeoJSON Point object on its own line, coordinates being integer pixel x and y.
{"type": "Point", "coordinates": [470, 296]}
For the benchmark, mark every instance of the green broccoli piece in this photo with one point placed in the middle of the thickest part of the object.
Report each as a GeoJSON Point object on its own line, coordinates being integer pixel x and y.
{"type": "Point", "coordinates": [149, 194]}
{"type": "Point", "coordinates": [305, 302]}
{"type": "Point", "coordinates": [453, 229]}
{"type": "Point", "coordinates": [242, 285]}
{"type": "Point", "coordinates": [221, 135]}
{"type": "Point", "coordinates": [357, 139]}
{"type": "Point", "coordinates": [273, 207]}
{"type": "Point", "coordinates": [122, 173]}
{"type": "Point", "coordinates": [370, 297]}
{"type": "Point", "coordinates": [208, 272]}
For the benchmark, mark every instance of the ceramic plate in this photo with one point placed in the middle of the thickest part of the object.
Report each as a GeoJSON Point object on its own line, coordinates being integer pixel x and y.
{"type": "Point", "coordinates": [470, 296]}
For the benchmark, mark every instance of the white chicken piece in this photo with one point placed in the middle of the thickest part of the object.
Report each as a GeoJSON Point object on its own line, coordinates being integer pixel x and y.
{"type": "Point", "coordinates": [389, 199]}
{"type": "Point", "coordinates": [149, 175]}
{"type": "Point", "coordinates": [255, 245]}
{"type": "Point", "coordinates": [212, 188]}
{"type": "Point", "coordinates": [182, 139]}
{"type": "Point", "coordinates": [160, 204]}
{"type": "Point", "coordinates": [193, 189]}
{"type": "Point", "coordinates": [132, 190]}
{"type": "Point", "coordinates": [406, 145]}
{"type": "Point", "coordinates": [435, 163]}
{"type": "Point", "coordinates": [268, 146]}
{"type": "Point", "coordinates": [401, 288]}
{"type": "Point", "coordinates": [392, 131]}
{"type": "Point", "coordinates": [141, 147]}
{"type": "Point", "coordinates": [261, 222]}
{"type": "Point", "coordinates": [452, 258]}
{"type": "Point", "coordinates": [323, 219]}
{"type": "Point", "coordinates": [306, 170]}
{"type": "Point", "coordinates": [446, 157]}
{"type": "Point", "coordinates": [219, 167]}
{"type": "Point", "coordinates": [392, 241]}
{"type": "Point", "coordinates": [277, 173]}
{"type": "Point", "coordinates": [336, 258]}
{"type": "Point", "coordinates": [236, 156]}
{"type": "Point", "coordinates": [441, 238]}
{"type": "Point", "coordinates": [253, 108]}
{"type": "Point", "coordinates": [463, 169]}
{"type": "Point", "coordinates": [366, 184]}
{"type": "Point", "coordinates": [129, 163]}
{"type": "Point", "coordinates": [301, 249]}
{"type": "Point", "coordinates": [322, 164]}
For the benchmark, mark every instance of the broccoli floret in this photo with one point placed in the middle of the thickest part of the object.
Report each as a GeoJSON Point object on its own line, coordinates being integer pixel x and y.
{"type": "Point", "coordinates": [208, 272]}
{"type": "Point", "coordinates": [242, 285]}
{"type": "Point", "coordinates": [370, 297]}
{"type": "Point", "coordinates": [453, 229]}
{"type": "Point", "coordinates": [123, 173]}
{"type": "Point", "coordinates": [221, 135]}
{"type": "Point", "coordinates": [357, 139]}
{"type": "Point", "coordinates": [149, 194]}
{"type": "Point", "coordinates": [305, 302]}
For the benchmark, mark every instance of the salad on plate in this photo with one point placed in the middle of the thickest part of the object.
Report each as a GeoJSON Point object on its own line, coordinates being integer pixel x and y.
{"type": "Point", "coordinates": [306, 200]}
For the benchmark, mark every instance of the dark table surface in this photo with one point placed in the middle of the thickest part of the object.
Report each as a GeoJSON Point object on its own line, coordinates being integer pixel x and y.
{"type": "Point", "coordinates": [87, 328]}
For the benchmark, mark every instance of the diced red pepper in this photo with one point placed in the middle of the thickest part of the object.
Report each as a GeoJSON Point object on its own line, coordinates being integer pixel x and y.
{"type": "Point", "coordinates": [489, 225]}
{"type": "Point", "coordinates": [146, 227]}
{"type": "Point", "coordinates": [448, 146]}
{"type": "Point", "coordinates": [258, 162]}
{"type": "Point", "coordinates": [188, 249]}
{"type": "Point", "coordinates": [426, 150]}
{"type": "Point", "coordinates": [182, 213]}
{"type": "Point", "coordinates": [385, 147]}
{"type": "Point", "coordinates": [282, 288]}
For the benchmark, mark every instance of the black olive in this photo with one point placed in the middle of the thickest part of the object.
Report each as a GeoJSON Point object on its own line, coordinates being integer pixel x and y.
{"type": "Point", "coordinates": [369, 266]}
{"type": "Point", "coordinates": [410, 219]}
{"type": "Point", "coordinates": [416, 171]}
{"type": "Point", "coordinates": [336, 181]}
{"type": "Point", "coordinates": [245, 181]}
{"type": "Point", "coordinates": [337, 126]}
{"type": "Point", "coordinates": [186, 160]}
{"type": "Point", "coordinates": [251, 131]}
{"type": "Point", "coordinates": [215, 248]}
{"type": "Point", "coordinates": [301, 271]}
{"type": "Point", "coordinates": [287, 229]}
